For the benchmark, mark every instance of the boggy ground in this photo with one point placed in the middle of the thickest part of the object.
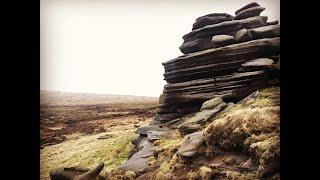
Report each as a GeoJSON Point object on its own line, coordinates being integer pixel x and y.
{"type": "Point", "coordinates": [84, 130]}
{"type": "Point", "coordinates": [63, 114]}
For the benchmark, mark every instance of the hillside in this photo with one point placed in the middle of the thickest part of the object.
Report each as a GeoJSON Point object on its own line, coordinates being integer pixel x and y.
{"type": "Point", "coordinates": [79, 129]}
{"type": "Point", "coordinates": [219, 114]}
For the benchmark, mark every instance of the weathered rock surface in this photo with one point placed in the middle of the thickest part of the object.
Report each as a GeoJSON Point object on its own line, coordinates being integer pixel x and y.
{"type": "Point", "coordinates": [191, 144]}
{"type": "Point", "coordinates": [147, 129]}
{"type": "Point", "coordinates": [194, 123]}
{"type": "Point", "coordinates": [92, 174]}
{"type": "Point", "coordinates": [222, 40]}
{"type": "Point", "coordinates": [222, 59]}
{"type": "Point", "coordinates": [265, 31]}
{"type": "Point", "coordinates": [208, 110]}
{"type": "Point", "coordinates": [199, 39]}
{"type": "Point", "coordinates": [258, 62]}
{"type": "Point", "coordinates": [218, 61]}
{"type": "Point", "coordinates": [226, 59]}
{"type": "Point", "coordinates": [243, 35]}
{"type": "Point", "coordinates": [209, 19]}
{"type": "Point", "coordinates": [250, 5]}
{"type": "Point", "coordinates": [212, 103]}
{"type": "Point", "coordinates": [250, 12]}
{"type": "Point", "coordinates": [139, 161]}
{"type": "Point", "coordinates": [76, 173]}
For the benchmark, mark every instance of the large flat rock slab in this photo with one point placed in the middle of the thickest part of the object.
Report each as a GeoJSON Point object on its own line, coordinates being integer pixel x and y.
{"type": "Point", "coordinates": [209, 109]}
{"type": "Point", "coordinates": [139, 161]}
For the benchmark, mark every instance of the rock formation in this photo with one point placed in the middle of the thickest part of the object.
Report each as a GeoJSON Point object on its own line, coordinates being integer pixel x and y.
{"type": "Point", "coordinates": [225, 56]}
{"type": "Point", "coordinates": [219, 114]}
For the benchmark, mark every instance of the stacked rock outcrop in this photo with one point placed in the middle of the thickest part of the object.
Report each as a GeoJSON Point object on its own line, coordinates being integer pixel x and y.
{"type": "Point", "coordinates": [224, 56]}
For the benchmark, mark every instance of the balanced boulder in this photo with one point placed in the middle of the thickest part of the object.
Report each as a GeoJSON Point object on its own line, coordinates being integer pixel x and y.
{"type": "Point", "coordinates": [250, 12]}
{"type": "Point", "coordinates": [209, 19]}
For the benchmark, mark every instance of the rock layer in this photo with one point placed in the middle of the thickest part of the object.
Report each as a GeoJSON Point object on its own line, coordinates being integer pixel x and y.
{"type": "Point", "coordinates": [199, 39]}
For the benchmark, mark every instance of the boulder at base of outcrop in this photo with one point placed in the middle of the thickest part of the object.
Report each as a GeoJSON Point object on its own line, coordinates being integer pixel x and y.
{"type": "Point", "coordinates": [190, 144]}
{"type": "Point", "coordinates": [212, 103]}
{"type": "Point", "coordinates": [208, 110]}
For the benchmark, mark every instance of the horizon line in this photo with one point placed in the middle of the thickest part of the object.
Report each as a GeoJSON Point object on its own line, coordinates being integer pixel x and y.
{"type": "Point", "coordinates": [95, 93]}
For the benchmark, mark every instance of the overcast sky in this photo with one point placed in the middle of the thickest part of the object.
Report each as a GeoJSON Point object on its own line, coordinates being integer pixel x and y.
{"type": "Point", "coordinates": [117, 47]}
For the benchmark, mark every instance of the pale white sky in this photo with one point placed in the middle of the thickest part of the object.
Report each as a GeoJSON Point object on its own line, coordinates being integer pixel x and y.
{"type": "Point", "coordinates": [117, 47]}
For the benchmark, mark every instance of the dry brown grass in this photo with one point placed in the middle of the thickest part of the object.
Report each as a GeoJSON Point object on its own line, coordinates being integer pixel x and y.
{"type": "Point", "coordinates": [252, 127]}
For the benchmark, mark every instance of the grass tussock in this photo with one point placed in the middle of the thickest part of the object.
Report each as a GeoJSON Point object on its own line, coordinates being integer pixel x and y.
{"type": "Point", "coordinates": [252, 127]}
{"type": "Point", "coordinates": [166, 167]}
{"type": "Point", "coordinates": [168, 144]}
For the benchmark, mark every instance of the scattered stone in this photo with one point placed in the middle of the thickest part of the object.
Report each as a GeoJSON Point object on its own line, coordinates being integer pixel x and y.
{"type": "Point", "coordinates": [154, 135]}
{"type": "Point", "coordinates": [106, 136]}
{"type": "Point", "coordinates": [190, 144]}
